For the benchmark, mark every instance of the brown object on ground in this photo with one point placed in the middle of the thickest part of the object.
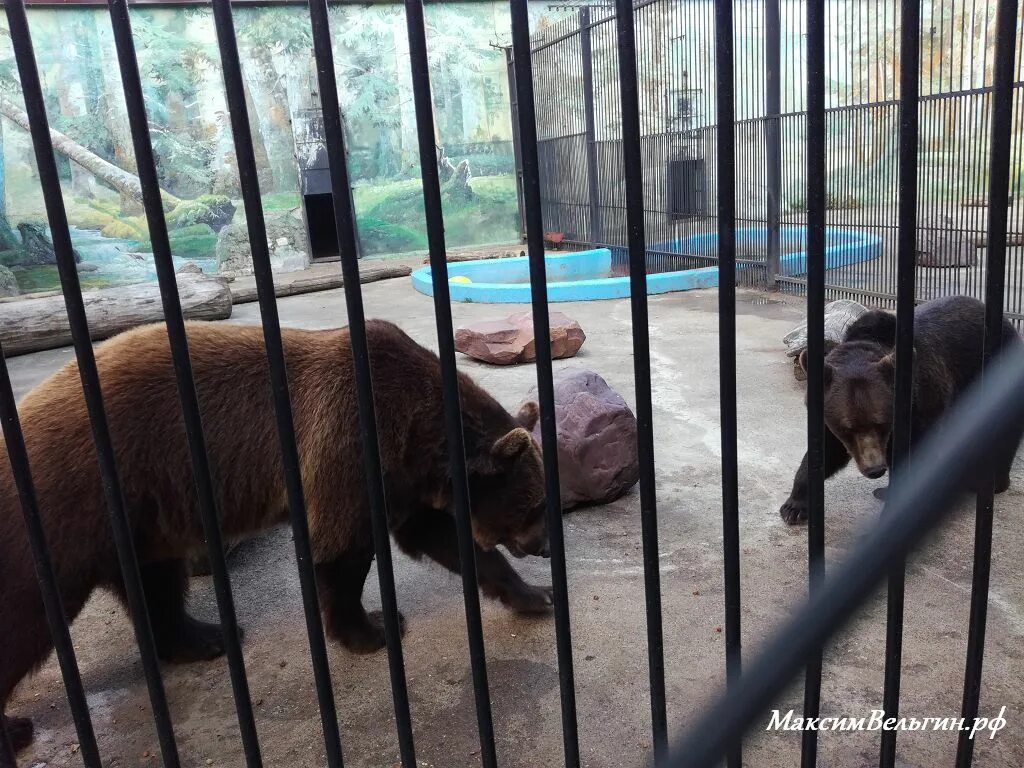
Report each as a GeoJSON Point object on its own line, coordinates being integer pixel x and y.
{"type": "Point", "coordinates": [982, 202]}
{"type": "Point", "coordinates": [597, 432]}
{"type": "Point", "coordinates": [554, 239]}
{"type": "Point", "coordinates": [242, 293]}
{"type": "Point", "coordinates": [34, 324]}
{"type": "Point", "coordinates": [510, 341]}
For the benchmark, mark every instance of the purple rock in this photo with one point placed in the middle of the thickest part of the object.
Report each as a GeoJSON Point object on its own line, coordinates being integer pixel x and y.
{"type": "Point", "coordinates": [597, 451]}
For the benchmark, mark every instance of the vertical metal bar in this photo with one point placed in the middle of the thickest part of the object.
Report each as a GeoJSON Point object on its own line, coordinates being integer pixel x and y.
{"type": "Point", "coordinates": [344, 219]}
{"type": "Point", "coordinates": [725, 107]}
{"type": "Point", "coordinates": [48, 585]}
{"type": "Point", "coordinates": [773, 137]}
{"type": "Point", "coordinates": [995, 279]}
{"type": "Point", "coordinates": [633, 176]}
{"type": "Point", "coordinates": [545, 383]}
{"type": "Point", "coordinates": [246, 162]}
{"type": "Point", "coordinates": [449, 375]}
{"type": "Point", "coordinates": [517, 150]}
{"type": "Point", "coordinates": [121, 527]}
{"type": "Point", "coordinates": [150, 184]}
{"type": "Point", "coordinates": [596, 235]}
{"type": "Point", "coordinates": [906, 251]}
{"type": "Point", "coordinates": [816, 173]}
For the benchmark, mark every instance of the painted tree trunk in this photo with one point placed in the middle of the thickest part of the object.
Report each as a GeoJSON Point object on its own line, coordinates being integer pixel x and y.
{"type": "Point", "coordinates": [122, 181]}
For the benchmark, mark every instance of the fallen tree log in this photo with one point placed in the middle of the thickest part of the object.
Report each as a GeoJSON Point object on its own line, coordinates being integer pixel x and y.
{"type": "Point", "coordinates": [245, 292]}
{"type": "Point", "coordinates": [124, 182]}
{"type": "Point", "coordinates": [32, 324]}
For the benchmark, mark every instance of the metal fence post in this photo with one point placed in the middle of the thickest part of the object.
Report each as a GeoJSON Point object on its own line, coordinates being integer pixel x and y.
{"type": "Point", "coordinates": [594, 229]}
{"type": "Point", "coordinates": [773, 135]}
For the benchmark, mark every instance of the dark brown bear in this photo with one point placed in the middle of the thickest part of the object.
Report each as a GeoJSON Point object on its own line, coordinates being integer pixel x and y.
{"type": "Point", "coordinates": [949, 342]}
{"type": "Point", "coordinates": [231, 373]}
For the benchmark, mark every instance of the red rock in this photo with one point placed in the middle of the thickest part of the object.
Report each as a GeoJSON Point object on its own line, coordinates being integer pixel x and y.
{"type": "Point", "coordinates": [597, 440]}
{"type": "Point", "coordinates": [510, 341]}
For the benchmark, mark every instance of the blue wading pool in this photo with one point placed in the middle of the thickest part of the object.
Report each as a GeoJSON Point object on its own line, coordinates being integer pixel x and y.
{"type": "Point", "coordinates": [588, 275]}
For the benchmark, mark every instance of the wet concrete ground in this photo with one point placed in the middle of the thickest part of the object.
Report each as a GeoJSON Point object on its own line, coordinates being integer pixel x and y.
{"type": "Point", "coordinates": [606, 591]}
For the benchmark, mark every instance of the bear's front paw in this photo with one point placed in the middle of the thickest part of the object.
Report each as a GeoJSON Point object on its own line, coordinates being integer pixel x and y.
{"type": "Point", "coordinates": [366, 636]}
{"type": "Point", "coordinates": [793, 511]}
{"type": "Point", "coordinates": [530, 599]}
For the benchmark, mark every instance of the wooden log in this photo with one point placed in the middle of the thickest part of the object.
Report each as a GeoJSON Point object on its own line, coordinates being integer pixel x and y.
{"type": "Point", "coordinates": [245, 292]}
{"type": "Point", "coordinates": [33, 324]}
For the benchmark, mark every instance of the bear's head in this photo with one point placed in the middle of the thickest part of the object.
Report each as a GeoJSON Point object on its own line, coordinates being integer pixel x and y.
{"type": "Point", "coordinates": [506, 486]}
{"type": "Point", "coordinates": [859, 401]}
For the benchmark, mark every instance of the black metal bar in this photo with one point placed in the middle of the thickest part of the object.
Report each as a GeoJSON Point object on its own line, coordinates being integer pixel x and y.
{"type": "Point", "coordinates": [995, 282]}
{"type": "Point", "coordinates": [150, 184]}
{"type": "Point", "coordinates": [248, 180]}
{"type": "Point", "coordinates": [906, 257]}
{"type": "Point", "coordinates": [595, 231]}
{"type": "Point", "coordinates": [772, 133]}
{"type": "Point", "coordinates": [545, 383]}
{"type": "Point", "coordinates": [35, 106]}
{"type": "Point", "coordinates": [990, 414]}
{"type": "Point", "coordinates": [48, 587]}
{"type": "Point", "coordinates": [637, 244]}
{"type": "Point", "coordinates": [344, 219]}
{"type": "Point", "coordinates": [816, 172]}
{"type": "Point", "coordinates": [434, 215]}
{"type": "Point", "coordinates": [725, 104]}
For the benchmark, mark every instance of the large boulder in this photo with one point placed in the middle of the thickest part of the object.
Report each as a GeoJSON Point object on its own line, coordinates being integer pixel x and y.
{"type": "Point", "coordinates": [8, 283]}
{"type": "Point", "coordinates": [286, 238]}
{"type": "Point", "coordinates": [597, 440]}
{"type": "Point", "coordinates": [510, 341]}
{"type": "Point", "coordinates": [940, 243]}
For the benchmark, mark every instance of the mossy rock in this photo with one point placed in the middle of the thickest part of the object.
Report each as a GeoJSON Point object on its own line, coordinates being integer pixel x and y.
{"type": "Point", "coordinates": [90, 218]}
{"type": "Point", "coordinates": [8, 283]}
{"type": "Point", "coordinates": [131, 228]}
{"type": "Point", "coordinates": [215, 211]}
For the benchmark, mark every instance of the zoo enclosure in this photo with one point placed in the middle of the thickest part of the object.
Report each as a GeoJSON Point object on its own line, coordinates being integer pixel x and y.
{"type": "Point", "coordinates": [919, 497]}
{"type": "Point", "coordinates": [580, 136]}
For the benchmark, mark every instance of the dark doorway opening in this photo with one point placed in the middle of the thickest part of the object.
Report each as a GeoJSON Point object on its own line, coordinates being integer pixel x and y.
{"type": "Point", "coordinates": [323, 235]}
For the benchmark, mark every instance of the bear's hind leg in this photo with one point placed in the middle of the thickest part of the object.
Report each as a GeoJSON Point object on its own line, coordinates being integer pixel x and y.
{"type": "Point", "coordinates": [432, 533]}
{"type": "Point", "coordinates": [179, 637]}
{"type": "Point", "coordinates": [340, 582]}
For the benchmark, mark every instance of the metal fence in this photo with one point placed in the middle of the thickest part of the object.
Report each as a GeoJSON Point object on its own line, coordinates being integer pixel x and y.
{"type": "Point", "coordinates": [581, 139]}
{"type": "Point", "coordinates": [987, 416]}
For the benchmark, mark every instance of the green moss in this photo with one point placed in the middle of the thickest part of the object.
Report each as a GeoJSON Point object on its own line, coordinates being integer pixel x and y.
{"type": "Point", "coordinates": [129, 228]}
{"type": "Point", "coordinates": [213, 210]}
{"type": "Point", "coordinates": [378, 236]}
{"type": "Point", "coordinates": [197, 241]}
{"type": "Point", "coordinates": [280, 201]}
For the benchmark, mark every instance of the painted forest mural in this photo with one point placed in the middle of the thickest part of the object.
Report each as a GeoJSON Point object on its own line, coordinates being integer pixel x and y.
{"type": "Point", "coordinates": [177, 52]}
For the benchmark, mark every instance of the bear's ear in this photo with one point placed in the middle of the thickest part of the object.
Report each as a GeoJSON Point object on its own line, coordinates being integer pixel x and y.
{"type": "Point", "coordinates": [512, 444]}
{"type": "Point", "coordinates": [528, 415]}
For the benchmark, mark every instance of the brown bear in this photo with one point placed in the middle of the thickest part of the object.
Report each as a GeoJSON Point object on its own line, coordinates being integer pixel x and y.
{"type": "Point", "coordinates": [949, 343]}
{"type": "Point", "coordinates": [231, 373]}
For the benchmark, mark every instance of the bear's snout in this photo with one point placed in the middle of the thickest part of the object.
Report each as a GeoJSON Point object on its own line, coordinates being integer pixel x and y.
{"type": "Point", "coordinates": [874, 472]}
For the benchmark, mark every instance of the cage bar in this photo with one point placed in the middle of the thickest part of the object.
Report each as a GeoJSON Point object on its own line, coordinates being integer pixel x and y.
{"type": "Point", "coordinates": [56, 214]}
{"type": "Point", "coordinates": [246, 161]}
{"type": "Point", "coordinates": [545, 383]}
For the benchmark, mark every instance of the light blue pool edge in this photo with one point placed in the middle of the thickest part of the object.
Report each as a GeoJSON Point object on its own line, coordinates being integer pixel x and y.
{"type": "Point", "coordinates": [506, 281]}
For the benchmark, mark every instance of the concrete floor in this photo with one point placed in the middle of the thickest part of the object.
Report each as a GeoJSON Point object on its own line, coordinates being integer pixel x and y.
{"type": "Point", "coordinates": [605, 584]}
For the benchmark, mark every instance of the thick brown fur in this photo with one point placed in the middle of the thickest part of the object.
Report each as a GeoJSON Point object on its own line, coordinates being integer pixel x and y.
{"type": "Point", "coordinates": [949, 352]}
{"type": "Point", "coordinates": [232, 380]}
